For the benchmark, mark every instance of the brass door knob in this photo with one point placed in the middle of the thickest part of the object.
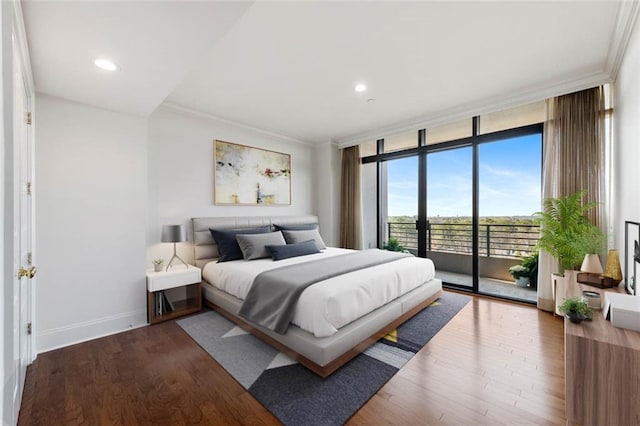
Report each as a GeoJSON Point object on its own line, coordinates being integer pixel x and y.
{"type": "Point", "coordinates": [29, 272]}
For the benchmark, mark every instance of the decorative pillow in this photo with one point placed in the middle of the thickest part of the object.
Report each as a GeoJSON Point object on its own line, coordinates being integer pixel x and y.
{"type": "Point", "coordinates": [226, 240]}
{"type": "Point", "coordinates": [293, 237]}
{"type": "Point", "coordinates": [293, 250]}
{"type": "Point", "coordinates": [296, 227]}
{"type": "Point", "coordinates": [253, 245]}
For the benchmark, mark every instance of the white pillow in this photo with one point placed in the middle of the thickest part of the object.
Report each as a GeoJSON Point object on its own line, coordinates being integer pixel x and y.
{"type": "Point", "coordinates": [294, 237]}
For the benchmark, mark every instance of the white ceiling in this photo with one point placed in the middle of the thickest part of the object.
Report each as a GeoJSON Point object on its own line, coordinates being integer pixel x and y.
{"type": "Point", "coordinates": [290, 67]}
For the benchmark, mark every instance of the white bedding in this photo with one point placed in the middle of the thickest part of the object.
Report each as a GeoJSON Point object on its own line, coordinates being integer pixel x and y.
{"type": "Point", "coordinates": [326, 306]}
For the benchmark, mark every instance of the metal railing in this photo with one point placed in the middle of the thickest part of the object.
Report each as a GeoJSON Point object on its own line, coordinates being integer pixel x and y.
{"type": "Point", "coordinates": [510, 240]}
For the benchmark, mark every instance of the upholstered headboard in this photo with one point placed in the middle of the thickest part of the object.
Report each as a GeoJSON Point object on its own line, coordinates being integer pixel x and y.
{"type": "Point", "coordinates": [205, 248]}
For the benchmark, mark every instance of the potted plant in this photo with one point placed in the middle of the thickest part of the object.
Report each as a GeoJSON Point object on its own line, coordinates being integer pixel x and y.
{"type": "Point", "coordinates": [567, 235]}
{"type": "Point", "coordinates": [565, 232]}
{"type": "Point", "coordinates": [576, 309]}
{"type": "Point", "coordinates": [521, 275]}
{"type": "Point", "coordinates": [157, 264]}
{"type": "Point", "coordinates": [531, 263]}
{"type": "Point", "coordinates": [393, 245]}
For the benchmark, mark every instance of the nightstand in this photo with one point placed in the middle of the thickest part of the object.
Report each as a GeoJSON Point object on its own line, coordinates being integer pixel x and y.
{"type": "Point", "coordinates": [159, 308]}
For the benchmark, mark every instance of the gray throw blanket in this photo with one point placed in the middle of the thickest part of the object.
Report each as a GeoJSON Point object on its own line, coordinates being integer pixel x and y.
{"type": "Point", "coordinates": [273, 295]}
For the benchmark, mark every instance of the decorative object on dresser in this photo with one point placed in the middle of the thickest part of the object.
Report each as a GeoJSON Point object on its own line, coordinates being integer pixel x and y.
{"type": "Point", "coordinates": [250, 176]}
{"type": "Point", "coordinates": [576, 309]}
{"type": "Point", "coordinates": [612, 271]}
{"type": "Point", "coordinates": [591, 272]}
{"type": "Point", "coordinates": [593, 299]}
{"type": "Point", "coordinates": [160, 307]}
{"type": "Point", "coordinates": [174, 234]}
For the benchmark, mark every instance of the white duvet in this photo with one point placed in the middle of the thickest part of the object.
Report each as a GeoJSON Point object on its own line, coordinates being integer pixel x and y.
{"type": "Point", "coordinates": [328, 305]}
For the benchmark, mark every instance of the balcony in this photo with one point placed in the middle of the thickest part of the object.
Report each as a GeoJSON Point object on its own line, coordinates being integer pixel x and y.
{"type": "Point", "coordinates": [449, 245]}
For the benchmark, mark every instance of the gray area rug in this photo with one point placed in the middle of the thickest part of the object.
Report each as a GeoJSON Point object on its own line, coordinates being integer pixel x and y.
{"type": "Point", "coordinates": [295, 395]}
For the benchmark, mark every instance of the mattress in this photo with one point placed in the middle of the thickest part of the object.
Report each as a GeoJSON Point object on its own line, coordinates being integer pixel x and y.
{"type": "Point", "coordinates": [329, 305]}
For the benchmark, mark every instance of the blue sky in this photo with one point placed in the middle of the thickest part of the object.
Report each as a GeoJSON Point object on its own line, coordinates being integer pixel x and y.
{"type": "Point", "coordinates": [509, 180]}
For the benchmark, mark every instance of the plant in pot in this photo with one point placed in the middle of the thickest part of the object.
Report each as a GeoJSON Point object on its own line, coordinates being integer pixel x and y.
{"type": "Point", "coordinates": [521, 275]}
{"type": "Point", "coordinates": [576, 309]}
{"type": "Point", "coordinates": [531, 263]}
{"type": "Point", "coordinates": [157, 264]}
{"type": "Point", "coordinates": [394, 245]}
{"type": "Point", "coordinates": [565, 232]}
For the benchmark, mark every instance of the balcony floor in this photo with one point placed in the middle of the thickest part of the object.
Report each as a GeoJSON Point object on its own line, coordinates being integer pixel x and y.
{"type": "Point", "coordinates": [491, 286]}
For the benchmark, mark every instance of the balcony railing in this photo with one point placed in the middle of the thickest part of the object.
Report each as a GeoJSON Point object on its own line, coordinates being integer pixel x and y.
{"type": "Point", "coordinates": [508, 240]}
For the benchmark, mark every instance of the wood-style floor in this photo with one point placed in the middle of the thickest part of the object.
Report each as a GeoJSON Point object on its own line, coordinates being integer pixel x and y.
{"type": "Point", "coordinates": [494, 363]}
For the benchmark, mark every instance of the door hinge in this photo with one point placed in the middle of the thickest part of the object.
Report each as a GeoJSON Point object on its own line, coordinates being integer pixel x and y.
{"type": "Point", "coordinates": [28, 328]}
{"type": "Point", "coordinates": [28, 117]}
{"type": "Point", "coordinates": [29, 258]}
{"type": "Point", "coordinates": [28, 188]}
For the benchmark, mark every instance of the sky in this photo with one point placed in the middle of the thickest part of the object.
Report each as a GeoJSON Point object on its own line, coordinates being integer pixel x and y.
{"type": "Point", "coordinates": [510, 180]}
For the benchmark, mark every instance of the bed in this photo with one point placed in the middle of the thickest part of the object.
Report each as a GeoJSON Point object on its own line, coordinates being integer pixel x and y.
{"type": "Point", "coordinates": [328, 328]}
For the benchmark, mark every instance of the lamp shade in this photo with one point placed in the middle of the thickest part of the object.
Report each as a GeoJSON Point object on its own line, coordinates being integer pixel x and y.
{"type": "Point", "coordinates": [173, 234]}
{"type": "Point", "coordinates": [591, 264]}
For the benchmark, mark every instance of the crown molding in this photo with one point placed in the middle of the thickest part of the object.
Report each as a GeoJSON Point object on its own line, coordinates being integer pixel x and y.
{"type": "Point", "coordinates": [22, 45]}
{"type": "Point", "coordinates": [173, 107]}
{"type": "Point", "coordinates": [469, 110]}
{"type": "Point", "coordinates": [625, 22]}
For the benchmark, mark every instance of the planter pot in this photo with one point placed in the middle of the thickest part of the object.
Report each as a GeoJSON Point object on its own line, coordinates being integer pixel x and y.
{"type": "Point", "coordinates": [157, 267]}
{"type": "Point", "coordinates": [558, 288]}
{"type": "Point", "coordinates": [575, 317]}
{"type": "Point", "coordinates": [522, 282]}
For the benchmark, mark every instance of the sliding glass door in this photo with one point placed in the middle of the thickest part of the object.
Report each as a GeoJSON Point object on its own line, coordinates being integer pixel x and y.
{"type": "Point", "coordinates": [461, 194]}
{"type": "Point", "coordinates": [449, 210]}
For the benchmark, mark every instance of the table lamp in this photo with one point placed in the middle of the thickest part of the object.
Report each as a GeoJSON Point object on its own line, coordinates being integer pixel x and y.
{"type": "Point", "coordinates": [174, 234]}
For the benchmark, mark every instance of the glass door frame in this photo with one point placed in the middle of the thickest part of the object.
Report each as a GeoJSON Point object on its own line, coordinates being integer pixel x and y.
{"type": "Point", "coordinates": [421, 151]}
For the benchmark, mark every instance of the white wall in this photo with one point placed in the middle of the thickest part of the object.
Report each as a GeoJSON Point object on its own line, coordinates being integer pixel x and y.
{"type": "Point", "coordinates": [92, 210]}
{"type": "Point", "coordinates": [180, 165]}
{"type": "Point", "coordinates": [326, 188]}
{"type": "Point", "coordinates": [627, 140]}
{"type": "Point", "coordinates": [6, 303]}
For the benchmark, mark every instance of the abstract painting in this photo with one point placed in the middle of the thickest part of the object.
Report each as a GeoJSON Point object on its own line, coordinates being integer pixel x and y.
{"type": "Point", "coordinates": [250, 176]}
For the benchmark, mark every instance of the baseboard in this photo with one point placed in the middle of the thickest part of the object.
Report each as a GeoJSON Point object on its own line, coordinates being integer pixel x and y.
{"type": "Point", "coordinates": [81, 332]}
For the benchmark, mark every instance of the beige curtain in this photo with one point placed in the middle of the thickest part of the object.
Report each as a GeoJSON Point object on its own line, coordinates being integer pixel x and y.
{"type": "Point", "coordinates": [573, 161]}
{"type": "Point", "coordinates": [350, 199]}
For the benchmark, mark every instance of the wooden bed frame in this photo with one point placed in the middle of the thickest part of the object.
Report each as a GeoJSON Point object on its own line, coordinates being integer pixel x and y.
{"type": "Point", "coordinates": [324, 370]}
{"type": "Point", "coordinates": [357, 336]}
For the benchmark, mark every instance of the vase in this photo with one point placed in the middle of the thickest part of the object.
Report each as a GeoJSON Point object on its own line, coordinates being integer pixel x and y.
{"type": "Point", "coordinates": [157, 267]}
{"type": "Point", "coordinates": [522, 282]}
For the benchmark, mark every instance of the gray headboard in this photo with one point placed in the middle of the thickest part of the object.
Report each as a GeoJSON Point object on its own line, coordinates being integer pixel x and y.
{"type": "Point", "coordinates": [205, 248]}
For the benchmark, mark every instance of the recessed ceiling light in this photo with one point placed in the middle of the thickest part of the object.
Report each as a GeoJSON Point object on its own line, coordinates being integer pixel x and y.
{"type": "Point", "coordinates": [105, 64]}
{"type": "Point", "coordinates": [360, 87]}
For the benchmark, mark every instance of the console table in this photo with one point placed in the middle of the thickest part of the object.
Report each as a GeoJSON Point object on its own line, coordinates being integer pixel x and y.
{"type": "Point", "coordinates": [602, 368]}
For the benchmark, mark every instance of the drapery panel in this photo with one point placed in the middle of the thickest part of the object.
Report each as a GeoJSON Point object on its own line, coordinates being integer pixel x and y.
{"type": "Point", "coordinates": [573, 160]}
{"type": "Point", "coordinates": [350, 214]}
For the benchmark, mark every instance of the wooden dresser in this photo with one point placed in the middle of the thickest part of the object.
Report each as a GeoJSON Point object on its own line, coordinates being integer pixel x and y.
{"type": "Point", "coordinates": [602, 369]}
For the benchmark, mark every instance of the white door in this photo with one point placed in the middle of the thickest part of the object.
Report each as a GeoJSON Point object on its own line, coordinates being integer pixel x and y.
{"type": "Point", "coordinates": [23, 227]}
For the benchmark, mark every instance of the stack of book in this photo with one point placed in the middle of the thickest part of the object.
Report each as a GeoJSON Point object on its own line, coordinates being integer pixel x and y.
{"type": "Point", "coordinates": [162, 303]}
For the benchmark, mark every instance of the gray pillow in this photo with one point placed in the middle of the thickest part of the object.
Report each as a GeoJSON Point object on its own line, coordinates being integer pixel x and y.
{"type": "Point", "coordinates": [253, 246]}
{"type": "Point", "coordinates": [293, 250]}
{"type": "Point", "coordinates": [226, 240]}
{"type": "Point", "coordinates": [296, 227]}
{"type": "Point", "coordinates": [293, 237]}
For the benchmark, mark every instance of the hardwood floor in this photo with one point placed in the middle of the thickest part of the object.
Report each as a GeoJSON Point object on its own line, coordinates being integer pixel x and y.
{"type": "Point", "coordinates": [494, 363]}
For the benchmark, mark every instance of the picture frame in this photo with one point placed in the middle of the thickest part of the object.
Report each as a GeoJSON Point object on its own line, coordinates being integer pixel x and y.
{"type": "Point", "coordinates": [631, 255]}
{"type": "Point", "coordinates": [249, 176]}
